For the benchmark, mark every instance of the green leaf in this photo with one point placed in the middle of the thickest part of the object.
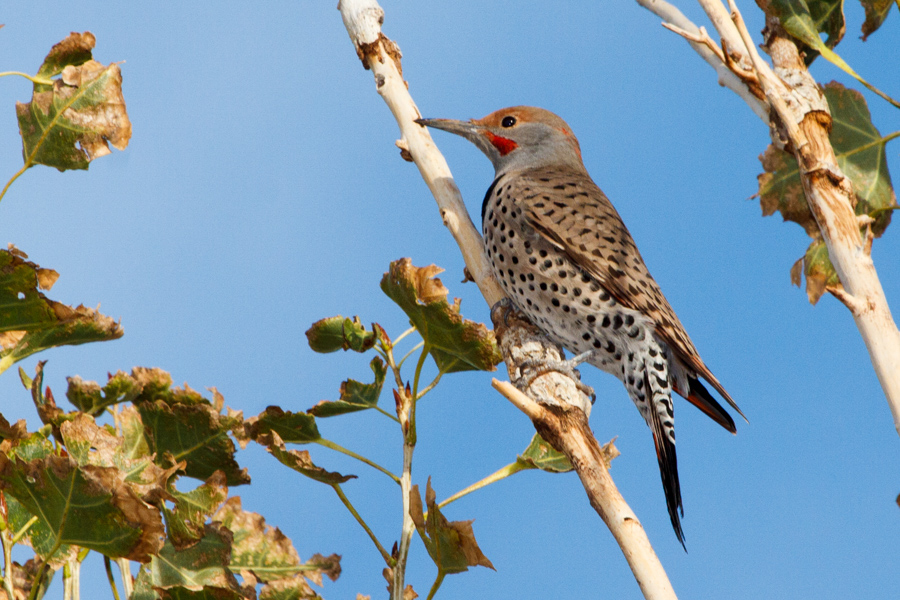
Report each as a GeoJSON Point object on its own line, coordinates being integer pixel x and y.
{"type": "Point", "coordinates": [340, 333]}
{"type": "Point", "coordinates": [201, 569]}
{"type": "Point", "coordinates": [876, 13]}
{"type": "Point", "coordinates": [819, 271]}
{"type": "Point", "coordinates": [270, 555]}
{"type": "Point", "coordinates": [30, 322]}
{"type": "Point", "coordinates": [541, 455]}
{"type": "Point", "coordinates": [300, 461]}
{"type": "Point", "coordinates": [355, 396]}
{"type": "Point", "coordinates": [185, 523]}
{"type": "Point", "coordinates": [806, 20]}
{"type": "Point", "coordinates": [456, 344]}
{"type": "Point", "coordinates": [89, 397]}
{"type": "Point", "coordinates": [182, 425]}
{"type": "Point", "coordinates": [69, 123]}
{"type": "Point", "coordinates": [451, 545]}
{"type": "Point", "coordinates": [861, 155]}
{"type": "Point", "coordinates": [79, 499]}
{"type": "Point", "coordinates": [292, 428]}
{"type": "Point", "coordinates": [135, 444]}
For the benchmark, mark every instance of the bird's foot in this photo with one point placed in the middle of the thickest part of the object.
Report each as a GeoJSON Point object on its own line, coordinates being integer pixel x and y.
{"type": "Point", "coordinates": [531, 369]}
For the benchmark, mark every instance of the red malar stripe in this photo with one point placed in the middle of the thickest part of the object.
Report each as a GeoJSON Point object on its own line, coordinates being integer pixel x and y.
{"type": "Point", "coordinates": [502, 144]}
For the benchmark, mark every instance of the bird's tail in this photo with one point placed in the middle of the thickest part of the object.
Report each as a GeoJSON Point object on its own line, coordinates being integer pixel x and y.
{"type": "Point", "coordinates": [664, 440]}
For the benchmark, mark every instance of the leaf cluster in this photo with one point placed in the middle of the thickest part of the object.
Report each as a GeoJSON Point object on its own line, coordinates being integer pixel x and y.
{"type": "Point", "coordinates": [858, 145]}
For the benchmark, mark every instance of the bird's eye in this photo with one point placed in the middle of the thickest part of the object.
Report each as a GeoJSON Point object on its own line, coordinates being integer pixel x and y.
{"type": "Point", "coordinates": [508, 121]}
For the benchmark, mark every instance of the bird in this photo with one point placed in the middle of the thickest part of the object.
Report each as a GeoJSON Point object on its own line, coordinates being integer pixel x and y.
{"type": "Point", "coordinates": [565, 258]}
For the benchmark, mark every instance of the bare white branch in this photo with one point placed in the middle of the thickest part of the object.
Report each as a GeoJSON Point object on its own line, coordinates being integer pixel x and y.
{"type": "Point", "coordinates": [671, 15]}
{"type": "Point", "coordinates": [363, 19]}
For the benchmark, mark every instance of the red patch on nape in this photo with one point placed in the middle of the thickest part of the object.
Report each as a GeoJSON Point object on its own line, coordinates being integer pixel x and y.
{"type": "Point", "coordinates": [502, 144]}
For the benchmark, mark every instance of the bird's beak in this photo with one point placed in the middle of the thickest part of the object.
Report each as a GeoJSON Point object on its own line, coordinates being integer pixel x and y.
{"type": "Point", "coordinates": [467, 129]}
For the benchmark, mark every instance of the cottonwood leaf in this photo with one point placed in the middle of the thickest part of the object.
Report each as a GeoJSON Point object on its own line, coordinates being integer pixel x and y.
{"type": "Point", "coordinates": [819, 271]}
{"type": "Point", "coordinates": [876, 13]}
{"type": "Point", "coordinates": [268, 556]}
{"type": "Point", "coordinates": [80, 497]}
{"type": "Point", "coordinates": [181, 425]}
{"type": "Point", "coordinates": [355, 396]}
{"type": "Point", "coordinates": [186, 522]}
{"type": "Point", "coordinates": [89, 397]}
{"type": "Point", "coordinates": [340, 333]}
{"type": "Point", "coordinates": [200, 571]}
{"type": "Point", "coordinates": [451, 545]}
{"type": "Point", "coordinates": [861, 155]}
{"type": "Point", "coordinates": [300, 461]}
{"type": "Point", "coordinates": [806, 20]}
{"type": "Point", "coordinates": [30, 322]}
{"type": "Point", "coordinates": [541, 455]}
{"type": "Point", "coordinates": [456, 344]}
{"type": "Point", "coordinates": [13, 432]}
{"type": "Point", "coordinates": [292, 428]}
{"type": "Point", "coordinates": [70, 122]}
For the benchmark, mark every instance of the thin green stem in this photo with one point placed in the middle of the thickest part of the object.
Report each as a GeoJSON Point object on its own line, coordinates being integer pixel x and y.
{"type": "Point", "coordinates": [38, 80]}
{"type": "Point", "coordinates": [404, 334]}
{"type": "Point", "coordinates": [387, 414]}
{"type": "Point", "coordinates": [3, 193]}
{"type": "Point", "coordinates": [38, 577]}
{"type": "Point", "coordinates": [431, 385]}
{"type": "Point", "coordinates": [411, 434]}
{"type": "Point", "coordinates": [437, 583]}
{"type": "Point", "coordinates": [384, 553]}
{"type": "Point", "coordinates": [350, 453]}
{"type": "Point", "coordinates": [109, 575]}
{"type": "Point", "coordinates": [21, 533]}
{"type": "Point", "coordinates": [510, 469]}
{"type": "Point", "coordinates": [407, 355]}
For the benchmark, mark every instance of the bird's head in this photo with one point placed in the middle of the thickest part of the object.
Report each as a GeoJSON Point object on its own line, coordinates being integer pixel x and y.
{"type": "Point", "coordinates": [519, 137]}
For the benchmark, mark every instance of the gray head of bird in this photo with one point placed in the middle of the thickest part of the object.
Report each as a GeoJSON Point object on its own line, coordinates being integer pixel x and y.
{"type": "Point", "coordinates": [518, 138]}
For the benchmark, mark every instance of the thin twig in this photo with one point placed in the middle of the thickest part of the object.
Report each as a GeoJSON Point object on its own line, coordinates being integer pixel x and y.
{"type": "Point", "coordinates": [510, 469]}
{"type": "Point", "coordinates": [351, 454]}
{"type": "Point", "coordinates": [365, 526]}
{"type": "Point", "coordinates": [107, 564]}
{"type": "Point", "coordinates": [671, 15]}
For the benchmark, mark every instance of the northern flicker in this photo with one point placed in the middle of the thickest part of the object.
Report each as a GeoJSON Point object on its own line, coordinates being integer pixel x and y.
{"type": "Point", "coordinates": [565, 258]}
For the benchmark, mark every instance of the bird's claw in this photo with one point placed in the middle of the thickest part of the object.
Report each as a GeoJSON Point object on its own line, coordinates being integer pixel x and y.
{"type": "Point", "coordinates": [531, 369]}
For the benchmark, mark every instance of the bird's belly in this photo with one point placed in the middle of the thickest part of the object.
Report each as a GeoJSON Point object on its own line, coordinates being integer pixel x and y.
{"type": "Point", "coordinates": [563, 301]}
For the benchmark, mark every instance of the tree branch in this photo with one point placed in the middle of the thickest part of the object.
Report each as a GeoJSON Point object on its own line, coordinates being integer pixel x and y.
{"type": "Point", "coordinates": [800, 121]}
{"type": "Point", "coordinates": [727, 78]}
{"type": "Point", "coordinates": [363, 19]}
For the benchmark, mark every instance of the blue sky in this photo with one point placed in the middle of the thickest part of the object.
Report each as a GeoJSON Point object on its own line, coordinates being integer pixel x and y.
{"type": "Point", "coordinates": [262, 191]}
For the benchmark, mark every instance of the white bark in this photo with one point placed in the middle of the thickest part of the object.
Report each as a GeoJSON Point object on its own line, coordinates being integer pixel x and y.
{"type": "Point", "coordinates": [792, 96]}
{"type": "Point", "coordinates": [363, 19]}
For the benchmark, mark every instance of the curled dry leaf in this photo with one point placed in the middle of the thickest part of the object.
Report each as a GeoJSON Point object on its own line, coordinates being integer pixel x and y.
{"type": "Point", "coordinates": [31, 322]}
{"type": "Point", "coordinates": [262, 553]}
{"type": "Point", "coordinates": [451, 545]}
{"type": "Point", "coordinates": [70, 122]}
{"type": "Point", "coordinates": [455, 343]}
{"type": "Point", "coordinates": [300, 461]}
